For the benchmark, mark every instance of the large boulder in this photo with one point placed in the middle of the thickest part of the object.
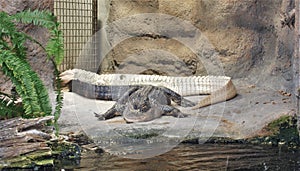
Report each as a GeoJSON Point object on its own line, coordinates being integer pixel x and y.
{"type": "Point", "coordinates": [245, 37]}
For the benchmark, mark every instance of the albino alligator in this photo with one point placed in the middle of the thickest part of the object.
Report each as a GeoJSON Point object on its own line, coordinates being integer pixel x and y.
{"type": "Point", "coordinates": [146, 97]}
{"type": "Point", "coordinates": [218, 88]}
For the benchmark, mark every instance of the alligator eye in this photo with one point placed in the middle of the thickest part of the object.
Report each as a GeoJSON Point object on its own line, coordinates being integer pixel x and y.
{"type": "Point", "coordinates": [144, 108]}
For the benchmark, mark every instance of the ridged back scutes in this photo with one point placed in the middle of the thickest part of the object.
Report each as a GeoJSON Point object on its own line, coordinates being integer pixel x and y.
{"type": "Point", "coordinates": [189, 85]}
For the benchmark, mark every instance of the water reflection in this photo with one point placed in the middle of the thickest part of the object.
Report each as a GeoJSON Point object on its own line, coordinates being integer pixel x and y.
{"type": "Point", "coordinates": [201, 157]}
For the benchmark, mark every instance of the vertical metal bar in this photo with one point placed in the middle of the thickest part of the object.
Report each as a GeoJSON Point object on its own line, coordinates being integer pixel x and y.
{"type": "Point", "coordinates": [95, 38]}
{"type": "Point", "coordinates": [75, 30]}
{"type": "Point", "coordinates": [66, 61]}
{"type": "Point", "coordinates": [95, 15]}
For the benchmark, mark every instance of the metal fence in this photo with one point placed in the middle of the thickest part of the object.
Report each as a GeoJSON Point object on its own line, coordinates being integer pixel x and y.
{"type": "Point", "coordinates": [78, 20]}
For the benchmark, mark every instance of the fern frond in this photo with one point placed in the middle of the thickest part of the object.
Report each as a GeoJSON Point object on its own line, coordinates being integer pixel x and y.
{"type": "Point", "coordinates": [45, 19]}
{"type": "Point", "coordinates": [36, 17]}
{"type": "Point", "coordinates": [55, 46]}
{"type": "Point", "coordinates": [28, 85]}
{"type": "Point", "coordinates": [10, 38]}
{"type": "Point", "coordinates": [9, 111]}
{"type": "Point", "coordinates": [13, 61]}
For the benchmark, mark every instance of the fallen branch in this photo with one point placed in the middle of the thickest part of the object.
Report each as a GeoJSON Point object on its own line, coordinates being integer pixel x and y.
{"type": "Point", "coordinates": [20, 136]}
{"type": "Point", "coordinates": [26, 143]}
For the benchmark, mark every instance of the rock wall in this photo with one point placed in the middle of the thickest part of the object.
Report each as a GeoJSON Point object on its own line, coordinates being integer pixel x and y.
{"type": "Point", "coordinates": [247, 39]}
{"type": "Point", "coordinates": [241, 39]}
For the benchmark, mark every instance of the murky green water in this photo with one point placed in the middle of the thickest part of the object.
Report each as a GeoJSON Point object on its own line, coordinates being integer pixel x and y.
{"type": "Point", "coordinates": [200, 157]}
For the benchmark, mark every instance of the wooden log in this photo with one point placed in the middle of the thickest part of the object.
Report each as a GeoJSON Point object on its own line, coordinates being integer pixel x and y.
{"type": "Point", "coordinates": [25, 143]}
{"type": "Point", "coordinates": [21, 136]}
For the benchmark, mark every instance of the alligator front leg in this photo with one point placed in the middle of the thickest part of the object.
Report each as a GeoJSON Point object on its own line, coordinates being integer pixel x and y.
{"type": "Point", "coordinates": [172, 111]}
{"type": "Point", "coordinates": [117, 108]}
{"type": "Point", "coordinates": [111, 113]}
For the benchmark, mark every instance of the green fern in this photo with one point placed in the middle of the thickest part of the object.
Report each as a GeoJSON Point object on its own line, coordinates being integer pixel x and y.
{"type": "Point", "coordinates": [45, 19]}
{"type": "Point", "coordinates": [28, 85]}
{"type": "Point", "coordinates": [54, 48]}
{"type": "Point", "coordinates": [9, 110]}
{"type": "Point", "coordinates": [8, 31]}
{"type": "Point", "coordinates": [14, 64]}
{"type": "Point", "coordinates": [55, 45]}
{"type": "Point", "coordinates": [38, 18]}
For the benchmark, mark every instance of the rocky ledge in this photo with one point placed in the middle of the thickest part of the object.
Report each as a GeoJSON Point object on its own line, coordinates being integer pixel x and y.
{"type": "Point", "coordinates": [254, 115]}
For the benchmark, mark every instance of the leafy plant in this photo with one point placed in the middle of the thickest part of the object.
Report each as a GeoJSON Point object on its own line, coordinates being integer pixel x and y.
{"type": "Point", "coordinates": [13, 61]}
{"type": "Point", "coordinates": [7, 108]}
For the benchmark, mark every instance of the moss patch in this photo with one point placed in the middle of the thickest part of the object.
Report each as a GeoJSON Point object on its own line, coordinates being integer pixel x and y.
{"type": "Point", "coordinates": [282, 131]}
{"type": "Point", "coordinates": [30, 160]}
{"type": "Point", "coordinates": [61, 154]}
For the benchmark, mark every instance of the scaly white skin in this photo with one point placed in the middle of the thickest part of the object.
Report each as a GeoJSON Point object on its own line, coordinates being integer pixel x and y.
{"type": "Point", "coordinates": [218, 88]}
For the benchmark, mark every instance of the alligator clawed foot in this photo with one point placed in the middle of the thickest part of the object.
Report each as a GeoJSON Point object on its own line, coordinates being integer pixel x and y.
{"type": "Point", "coordinates": [187, 103]}
{"type": "Point", "coordinates": [182, 115]}
{"type": "Point", "coordinates": [99, 116]}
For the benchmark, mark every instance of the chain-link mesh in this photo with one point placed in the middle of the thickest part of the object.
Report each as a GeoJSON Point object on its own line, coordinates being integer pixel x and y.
{"type": "Point", "coordinates": [78, 20]}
